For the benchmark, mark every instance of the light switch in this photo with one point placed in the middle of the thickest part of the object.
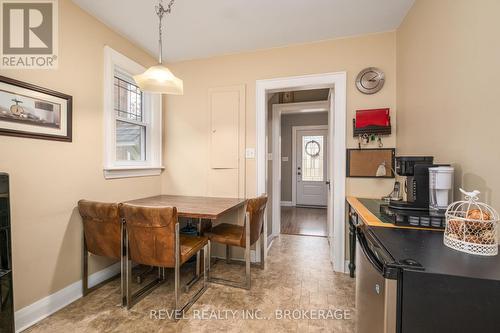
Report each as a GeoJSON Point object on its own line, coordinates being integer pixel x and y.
{"type": "Point", "coordinates": [270, 156]}
{"type": "Point", "coordinates": [284, 159]}
{"type": "Point", "coordinates": [250, 153]}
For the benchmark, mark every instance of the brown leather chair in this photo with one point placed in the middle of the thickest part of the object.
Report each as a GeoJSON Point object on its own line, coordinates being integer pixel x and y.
{"type": "Point", "coordinates": [242, 236]}
{"type": "Point", "coordinates": [102, 235]}
{"type": "Point", "coordinates": [152, 238]}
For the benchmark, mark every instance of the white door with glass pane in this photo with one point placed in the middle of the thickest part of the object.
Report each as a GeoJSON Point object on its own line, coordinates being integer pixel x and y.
{"type": "Point", "coordinates": [311, 167]}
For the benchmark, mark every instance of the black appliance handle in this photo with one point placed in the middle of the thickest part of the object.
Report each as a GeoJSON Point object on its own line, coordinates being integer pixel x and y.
{"type": "Point", "coordinates": [363, 244]}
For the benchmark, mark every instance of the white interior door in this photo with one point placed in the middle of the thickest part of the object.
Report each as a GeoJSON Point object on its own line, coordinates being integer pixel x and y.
{"type": "Point", "coordinates": [311, 167]}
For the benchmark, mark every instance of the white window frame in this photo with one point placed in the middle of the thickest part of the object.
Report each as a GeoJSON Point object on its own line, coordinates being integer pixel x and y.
{"type": "Point", "coordinates": [152, 106]}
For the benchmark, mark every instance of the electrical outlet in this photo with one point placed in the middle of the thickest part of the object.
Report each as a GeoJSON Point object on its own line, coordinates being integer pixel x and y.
{"type": "Point", "coordinates": [284, 159]}
{"type": "Point", "coordinates": [250, 153]}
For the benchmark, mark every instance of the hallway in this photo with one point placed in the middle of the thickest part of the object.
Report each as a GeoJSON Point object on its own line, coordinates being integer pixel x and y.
{"type": "Point", "coordinates": [298, 277]}
{"type": "Point", "coordinates": [303, 221]}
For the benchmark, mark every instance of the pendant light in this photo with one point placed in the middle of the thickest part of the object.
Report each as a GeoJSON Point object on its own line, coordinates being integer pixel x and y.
{"type": "Point", "coordinates": [159, 79]}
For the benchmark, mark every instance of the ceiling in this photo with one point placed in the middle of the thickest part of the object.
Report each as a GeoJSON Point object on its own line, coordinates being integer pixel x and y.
{"type": "Point", "coordinates": [200, 28]}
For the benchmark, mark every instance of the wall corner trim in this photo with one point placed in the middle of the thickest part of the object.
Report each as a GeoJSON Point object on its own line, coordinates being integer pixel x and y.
{"type": "Point", "coordinates": [41, 309]}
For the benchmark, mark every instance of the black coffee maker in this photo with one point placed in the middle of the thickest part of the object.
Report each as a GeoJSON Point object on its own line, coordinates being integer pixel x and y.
{"type": "Point", "coordinates": [416, 171]}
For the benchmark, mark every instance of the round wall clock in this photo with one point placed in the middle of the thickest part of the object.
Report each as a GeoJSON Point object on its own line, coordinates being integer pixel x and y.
{"type": "Point", "coordinates": [370, 80]}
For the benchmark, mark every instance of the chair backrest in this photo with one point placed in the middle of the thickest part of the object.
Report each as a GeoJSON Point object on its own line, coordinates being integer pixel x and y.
{"type": "Point", "coordinates": [101, 227]}
{"type": "Point", "coordinates": [255, 209]}
{"type": "Point", "coordinates": [151, 234]}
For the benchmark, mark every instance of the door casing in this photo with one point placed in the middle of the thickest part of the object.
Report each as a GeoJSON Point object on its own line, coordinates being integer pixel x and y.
{"type": "Point", "coordinates": [338, 113]}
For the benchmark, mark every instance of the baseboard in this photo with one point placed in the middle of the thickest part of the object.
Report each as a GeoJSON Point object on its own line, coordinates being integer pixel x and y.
{"type": "Point", "coordinates": [287, 204]}
{"type": "Point", "coordinates": [270, 240]}
{"type": "Point", "coordinates": [33, 313]}
{"type": "Point", "coordinates": [346, 266]}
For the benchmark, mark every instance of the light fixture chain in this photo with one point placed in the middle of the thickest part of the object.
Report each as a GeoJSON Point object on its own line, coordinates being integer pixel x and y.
{"type": "Point", "coordinates": [160, 11]}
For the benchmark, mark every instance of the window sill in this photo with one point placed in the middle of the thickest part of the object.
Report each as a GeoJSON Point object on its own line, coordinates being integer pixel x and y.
{"type": "Point", "coordinates": [132, 171]}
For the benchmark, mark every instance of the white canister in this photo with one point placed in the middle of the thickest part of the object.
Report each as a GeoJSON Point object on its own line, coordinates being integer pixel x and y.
{"type": "Point", "coordinates": [440, 187]}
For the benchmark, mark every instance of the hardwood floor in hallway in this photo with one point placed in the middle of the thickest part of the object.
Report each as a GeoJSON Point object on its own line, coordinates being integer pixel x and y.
{"type": "Point", "coordinates": [298, 277]}
{"type": "Point", "coordinates": [303, 221]}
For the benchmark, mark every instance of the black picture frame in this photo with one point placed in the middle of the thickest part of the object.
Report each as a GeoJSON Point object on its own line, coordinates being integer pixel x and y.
{"type": "Point", "coordinates": [68, 137]}
{"type": "Point", "coordinates": [348, 162]}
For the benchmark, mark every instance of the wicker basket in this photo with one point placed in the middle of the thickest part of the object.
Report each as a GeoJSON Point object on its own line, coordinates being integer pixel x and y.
{"type": "Point", "coordinates": [471, 226]}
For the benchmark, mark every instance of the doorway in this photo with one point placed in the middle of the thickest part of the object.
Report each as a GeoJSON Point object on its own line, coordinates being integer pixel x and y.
{"type": "Point", "coordinates": [300, 165]}
{"type": "Point", "coordinates": [336, 82]}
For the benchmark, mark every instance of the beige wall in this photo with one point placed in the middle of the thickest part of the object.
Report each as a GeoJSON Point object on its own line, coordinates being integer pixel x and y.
{"type": "Point", "coordinates": [287, 122]}
{"type": "Point", "coordinates": [48, 177]}
{"type": "Point", "coordinates": [448, 55]}
{"type": "Point", "coordinates": [187, 122]}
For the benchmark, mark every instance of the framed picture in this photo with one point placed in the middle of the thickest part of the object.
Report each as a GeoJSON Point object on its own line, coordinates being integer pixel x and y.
{"type": "Point", "coordinates": [34, 112]}
{"type": "Point", "coordinates": [371, 163]}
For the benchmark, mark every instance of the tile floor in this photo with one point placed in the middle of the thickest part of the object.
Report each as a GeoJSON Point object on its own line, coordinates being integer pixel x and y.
{"type": "Point", "coordinates": [298, 278]}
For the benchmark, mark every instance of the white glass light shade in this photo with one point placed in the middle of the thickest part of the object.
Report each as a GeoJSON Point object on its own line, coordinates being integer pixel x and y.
{"type": "Point", "coordinates": [160, 80]}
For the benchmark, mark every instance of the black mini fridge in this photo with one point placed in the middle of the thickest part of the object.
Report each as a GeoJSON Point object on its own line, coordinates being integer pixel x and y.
{"type": "Point", "coordinates": [6, 293]}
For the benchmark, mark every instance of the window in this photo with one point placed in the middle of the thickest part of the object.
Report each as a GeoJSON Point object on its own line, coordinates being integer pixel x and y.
{"type": "Point", "coordinates": [132, 121]}
{"type": "Point", "coordinates": [312, 158]}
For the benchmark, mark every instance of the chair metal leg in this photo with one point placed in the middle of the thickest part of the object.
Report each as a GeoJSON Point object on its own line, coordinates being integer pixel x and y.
{"type": "Point", "coordinates": [198, 255]}
{"type": "Point", "coordinates": [128, 278]}
{"type": "Point", "coordinates": [123, 268]}
{"type": "Point", "coordinates": [85, 272]}
{"type": "Point", "coordinates": [139, 277]}
{"type": "Point", "coordinates": [85, 278]}
{"type": "Point", "coordinates": [247, 253]}
{"type": "Point", "coordinates": [161, 273]}
{"type": "Point", "coordinates": [132, 299]}
{"type": "Point", "coordinates": [209, 259]}
{"type": "Point", "coordinates": [199, 263]}
{"type": "Point", "coordinates": [262, 251]}
{"type": "Point", "coordinates": [246, 284]}
{"type": "Point", "coordinates": [177, 269]}
{"type": "Point", "coordinates": [204, 251]}
{"type": "Point", "coordinates": [228, 254]}
{"type": "Point", "coordinates": [128, 275]}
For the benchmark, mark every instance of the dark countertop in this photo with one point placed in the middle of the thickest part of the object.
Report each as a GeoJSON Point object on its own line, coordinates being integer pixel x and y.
{"type": "Point", "coordinates": [4, 272]}
{"type": "Point", "coordinates": [369, 212]}
{"type": "Point", "coordinates": [428, 249]}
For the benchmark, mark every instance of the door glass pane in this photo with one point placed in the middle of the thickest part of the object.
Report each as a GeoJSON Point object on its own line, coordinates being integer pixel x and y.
{"type": "Point", "coordinates": [312, 158]}
{"type": "Point", "coordinates": [130, 141]}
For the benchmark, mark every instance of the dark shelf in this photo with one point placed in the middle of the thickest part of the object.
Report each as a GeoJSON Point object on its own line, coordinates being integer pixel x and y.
{"type": "Point", "coordinates": [378, 130]}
